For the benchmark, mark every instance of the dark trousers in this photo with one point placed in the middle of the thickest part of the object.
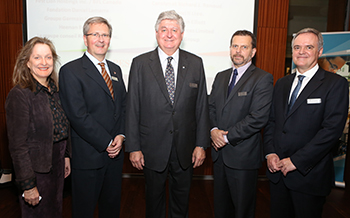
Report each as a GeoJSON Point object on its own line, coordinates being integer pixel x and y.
{"type": "Point", "coordinates": [102, 186]}
{"type": "Point", "coordinates": [290, 204]}
{"type": "Point", "coordinates": [50, 187]}
{"type": "Point", "coordinates": [179, 190]}
{"type": "Point", "coordinates": [234, 191]}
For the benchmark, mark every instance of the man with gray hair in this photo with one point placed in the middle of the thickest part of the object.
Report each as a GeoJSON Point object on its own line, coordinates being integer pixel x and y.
{"type": "Point", "coordinates": [307, 117]}
{"type": "Point", "coordinates": [93, 96]}
{"type": "Point", "coordinates": [167, 120]}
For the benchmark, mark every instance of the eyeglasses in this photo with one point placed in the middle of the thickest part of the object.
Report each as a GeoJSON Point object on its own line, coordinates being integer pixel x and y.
{"type": "Point", "coordinates": [97, 35]}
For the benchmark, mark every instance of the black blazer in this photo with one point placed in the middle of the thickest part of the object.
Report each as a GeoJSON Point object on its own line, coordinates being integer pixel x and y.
{"type": "Point", "coordinates": [94, 116]}
{"type": "Point", "coordinates": [153, 124]}
{"type": "Point", "coordinates": [310, 130]}
{"type": "Point", "coordinates": [243, 114]}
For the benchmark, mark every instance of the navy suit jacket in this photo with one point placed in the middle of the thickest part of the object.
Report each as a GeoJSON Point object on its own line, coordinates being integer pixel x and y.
{"type": "Point", "coordinates": [310, 130]}
{"type": "Point", "coordinates": [94, 116]}
{"type": "Point", "coordinates": [243, 114]}
{"type": "Point", "coordinates": [153, 124]}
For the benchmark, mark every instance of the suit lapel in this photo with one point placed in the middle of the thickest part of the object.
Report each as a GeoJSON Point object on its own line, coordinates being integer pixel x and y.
{"type": "Point", "coordinates": [248, 73]}
{"type": "Point", "coordinates": [157, 71]}
{"type": "Point", "coordinates": [226, 81]}
{"type": "Point", "coordinates": [92, 71]}
{"type": "Point", "coordinates": [181, 74]}
{"type": "Point", "coordinates": [114, 78]}
{"type": "Point", "coordinates": [313, 84]}
{"type": "Point", "coordinates": [286, 93]}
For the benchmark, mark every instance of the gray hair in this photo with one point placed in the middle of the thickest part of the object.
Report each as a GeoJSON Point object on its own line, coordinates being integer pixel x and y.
{"type": "Point", "coordinates": [310, 30]}
{"type": "Point", "coordinates": [93, 20]}
{"type": "Point", "coordinates": [170, 15]}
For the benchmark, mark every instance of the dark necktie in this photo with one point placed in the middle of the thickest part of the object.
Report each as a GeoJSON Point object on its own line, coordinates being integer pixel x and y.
{"type": "Point", "coordinates": [170, 80]}
{"type": "Point", "coordinates": [293, 98]}
{"type": "Point", "coordinates": [107, 79]}
{"type": "Point", "coordinates": [232, 83]}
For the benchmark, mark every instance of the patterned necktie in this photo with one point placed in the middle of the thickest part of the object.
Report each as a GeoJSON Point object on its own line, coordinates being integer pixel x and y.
{"type": "Point", "coordinates": [170, 79]}
{"type": "Point", "coordinates": [107, 79]}
{"type": "Point", "coordinates": [232, 83]}
{"type": "Point", "coordinates": [293, 98]}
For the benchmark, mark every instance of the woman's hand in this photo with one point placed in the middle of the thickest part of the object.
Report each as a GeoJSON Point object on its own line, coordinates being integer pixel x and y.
{"type": "Point", "coordinates": [66, 167]}
{"type": "Point", "coordinates": [31, 196]}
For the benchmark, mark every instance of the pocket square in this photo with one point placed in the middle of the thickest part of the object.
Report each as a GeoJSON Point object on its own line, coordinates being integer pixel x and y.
{"type": "Point", "coordinates": [242, 93]}
{"type": "Point", "coordinates": [314, 101]}
{"type": "Point", "coordinates": [115, 78]}
{"type": "Point", "coordinates": [193, 85]}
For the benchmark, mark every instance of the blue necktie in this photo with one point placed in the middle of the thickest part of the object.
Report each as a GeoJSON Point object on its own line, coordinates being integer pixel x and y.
{"type": "Point", "coordinates": [170, 79]}
{"type": "Point", "coordinates": [232, 83]}
{"type": "Point", "coordinates": [293, 98]}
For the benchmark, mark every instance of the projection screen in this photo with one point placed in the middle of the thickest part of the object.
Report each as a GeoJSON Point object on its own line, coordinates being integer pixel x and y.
{"type": "Point", "coordinates": [209, 25]}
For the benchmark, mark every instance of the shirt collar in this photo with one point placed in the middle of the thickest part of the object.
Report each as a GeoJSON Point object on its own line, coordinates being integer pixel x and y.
{"type": "Point", "coordinates": [310, 73]}
{"type": "Point", "coordinates": [94, 60]}
{"type": "Point", "coordinates": [163, 56]}
{"type": "Point", "coordinates": [241, 70]}
{"type": "Point", "coordinates": [39, 87]}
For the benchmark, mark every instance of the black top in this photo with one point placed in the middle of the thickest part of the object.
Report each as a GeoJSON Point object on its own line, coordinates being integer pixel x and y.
{"type": "Point", "coordinates": [60, 121]}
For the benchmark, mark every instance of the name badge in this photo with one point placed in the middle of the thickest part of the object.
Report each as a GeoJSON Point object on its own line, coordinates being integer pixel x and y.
{"type": "Point", "coordinates": [242, 93]}
{"type": "Point", "coordinates": [314, 101]}
{"type": "Point", "coordinates": [114, 78]}
{"type": "Point", "coordinates": [193, 85]}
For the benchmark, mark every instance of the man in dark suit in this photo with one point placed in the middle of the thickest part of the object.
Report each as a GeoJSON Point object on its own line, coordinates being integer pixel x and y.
{"type": "Point", "coordinates": [93, 96]}
{"type": "Point", "coordinates": [308, 114]}
{"type": "Point", "coordinates": [239, 107]}
{"type": "Point", "coordinates": [167, 120]}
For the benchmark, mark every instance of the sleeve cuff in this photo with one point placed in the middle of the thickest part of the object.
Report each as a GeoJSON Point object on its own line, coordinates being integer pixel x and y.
{"type": "Point", "coordinates": [27, 184]}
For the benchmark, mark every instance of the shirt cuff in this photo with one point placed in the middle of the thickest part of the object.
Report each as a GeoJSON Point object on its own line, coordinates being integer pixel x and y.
{"type": "Point", "coordinates": [268, 155]}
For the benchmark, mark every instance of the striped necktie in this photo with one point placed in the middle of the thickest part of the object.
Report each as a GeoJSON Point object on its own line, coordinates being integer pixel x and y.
{"type": "Point", "coordinates": [107, 79]}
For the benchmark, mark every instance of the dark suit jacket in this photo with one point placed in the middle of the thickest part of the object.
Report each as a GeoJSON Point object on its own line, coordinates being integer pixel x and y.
{"type": "Point", "coordinates": [94, 116]}
{"type": "Point", "coordinates": [243, 114]}
{"type": "Point", "coordinates": [310, 130]}
{"type": "Point", "coordinates": [153, 125]}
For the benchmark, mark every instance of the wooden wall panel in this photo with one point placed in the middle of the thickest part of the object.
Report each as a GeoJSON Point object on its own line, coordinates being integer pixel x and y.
{"type": "Point", "coordinates": [273, 13]}
{"type": "Point", "coordinates": [11, 19]}
{"type": "Point", "coordinates": [11, 11]}
{"type": "Point", "coordinates": [272, 36]}
{"type": "Point", "coordinates": [271, 50]}
{"type": "Point", "coordinates": [5, 158]}
{"type": "Point", "coordinates": [10, 42]}
{"type": "Point", "coordinates": [336, 15]}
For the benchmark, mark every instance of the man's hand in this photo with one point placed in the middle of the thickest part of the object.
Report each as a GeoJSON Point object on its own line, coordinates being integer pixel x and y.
{"type": "Point", "coordinates": [272, 160]}
{"type": "Point", "coordinates": [286, 166]}
{"type": "Point", "coordinates": [198, 157]}
{"type": "Point", "coordinates": [115, 147]}
{"type": "Point", "coordinates": [137, 160]}
{"type": "Point", "coordinates": [217, 136]}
